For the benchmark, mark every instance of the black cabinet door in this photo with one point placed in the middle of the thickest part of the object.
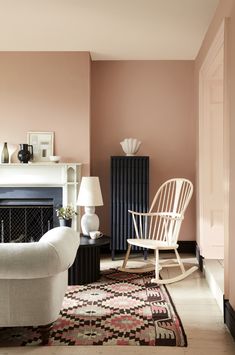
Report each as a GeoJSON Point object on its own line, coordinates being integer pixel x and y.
{"type": "Point", "coordinates": [129, 191]}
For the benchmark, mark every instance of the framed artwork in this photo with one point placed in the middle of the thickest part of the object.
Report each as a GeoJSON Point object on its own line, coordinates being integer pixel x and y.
{"type": "Point", "coordinates": [43, 145]}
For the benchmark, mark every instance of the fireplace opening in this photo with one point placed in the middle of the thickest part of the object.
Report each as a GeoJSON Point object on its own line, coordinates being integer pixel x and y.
{"type": "Point", "coordinates": [25, 223]}
{"type": "Point", "coordinates": [27, 213]}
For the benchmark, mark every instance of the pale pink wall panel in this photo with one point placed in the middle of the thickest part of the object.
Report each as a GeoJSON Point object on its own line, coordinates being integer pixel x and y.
{"type": "Point", "coordinates": [151, 101]}
{"type": "Point", "coordinates": [47, 91]}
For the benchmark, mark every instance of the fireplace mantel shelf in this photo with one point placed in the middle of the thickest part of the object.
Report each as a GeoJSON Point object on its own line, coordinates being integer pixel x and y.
{"type": "Point", "coordinates": [40, 164]}
{"type": "Point", "coordinates": [33, 185]}
{"type": "Point", "coordinates": [40, 174]}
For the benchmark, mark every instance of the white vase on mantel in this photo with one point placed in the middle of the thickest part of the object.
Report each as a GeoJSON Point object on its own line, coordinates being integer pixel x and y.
{"type": "Point", "coordinates": [130, 146]}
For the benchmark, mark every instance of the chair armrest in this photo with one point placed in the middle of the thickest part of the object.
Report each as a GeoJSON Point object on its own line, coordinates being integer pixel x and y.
{"type": "Point", "coordinates": [165, 215]}
{"type": "Point", "coordinates": [170, 215]}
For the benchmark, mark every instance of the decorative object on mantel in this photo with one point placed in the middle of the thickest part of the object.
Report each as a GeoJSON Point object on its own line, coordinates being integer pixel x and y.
{"type": "Point", "coordinates": [130, 146]}
{"type": "Point", "coordinates": [25, 153]}
{"type": "Point", "coordinates": [65, 215]}
{"type": "Point", "coordinates": [11, 149]}
{"type": "Point", "coordinates": [90, 196]}
{"type": "Point", "coordinates": [43, 145]}
{"type": "Point", "coordinates": [5, 154]}
{"type": "Point", "coordinates": [54, 158]}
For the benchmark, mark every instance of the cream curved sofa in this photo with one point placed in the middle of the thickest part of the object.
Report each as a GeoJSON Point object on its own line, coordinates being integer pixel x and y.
{"type": "Point", "coordinates": [34, 278]}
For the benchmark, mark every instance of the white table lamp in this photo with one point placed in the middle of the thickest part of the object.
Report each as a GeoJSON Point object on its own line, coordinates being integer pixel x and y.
{"type": "Point", "coordinates": [90, 196]}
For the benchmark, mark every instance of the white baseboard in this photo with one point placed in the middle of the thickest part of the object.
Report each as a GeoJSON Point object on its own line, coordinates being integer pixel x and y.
{"type": "Point", "coordinates": [214, 274]}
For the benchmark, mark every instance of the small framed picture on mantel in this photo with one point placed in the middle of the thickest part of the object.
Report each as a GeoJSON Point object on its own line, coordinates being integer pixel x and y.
{"type": "Point", "coordinates": [43, 145]}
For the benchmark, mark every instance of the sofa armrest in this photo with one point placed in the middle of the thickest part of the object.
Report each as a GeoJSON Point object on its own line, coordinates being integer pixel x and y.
{"type": "Point", "coordinates": [27, 260]}
{"type": "Point", "coordinates": [65, 242]}
{"type": "Point", "coordinates": [51, 255]}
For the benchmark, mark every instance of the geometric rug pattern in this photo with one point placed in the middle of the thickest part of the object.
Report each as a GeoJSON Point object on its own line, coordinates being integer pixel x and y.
{"type": "Point", "coordinates": [119, 309]}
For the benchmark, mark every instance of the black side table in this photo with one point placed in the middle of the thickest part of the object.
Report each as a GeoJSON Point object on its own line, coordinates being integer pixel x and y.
{"type": "Point", "coordinates": [86, 266]}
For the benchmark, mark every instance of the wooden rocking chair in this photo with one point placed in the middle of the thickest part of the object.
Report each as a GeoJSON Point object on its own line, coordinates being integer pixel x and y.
{"type": "Point", "coordinates": [159, 228]}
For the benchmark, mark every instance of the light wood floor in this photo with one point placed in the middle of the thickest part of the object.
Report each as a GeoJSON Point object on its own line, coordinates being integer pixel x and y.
{"type": "Point", "coordinates": [199, 312]}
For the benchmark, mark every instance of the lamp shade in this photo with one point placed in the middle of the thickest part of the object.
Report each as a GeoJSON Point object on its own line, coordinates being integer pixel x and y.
{"type": "Point", "coordinates": [90, 192]}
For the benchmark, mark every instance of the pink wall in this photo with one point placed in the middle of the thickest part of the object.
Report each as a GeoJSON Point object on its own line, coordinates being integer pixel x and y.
{"type": "Point", "coordinates": [226, 9]}
{"type": "Point", "coordinates": [47, 91]}
{"type": "Point", "coordinates": [151, 101]}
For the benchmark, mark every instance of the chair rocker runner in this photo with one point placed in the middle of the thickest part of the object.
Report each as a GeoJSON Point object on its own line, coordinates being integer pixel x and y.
{"type": "Point", "coordinates": [159, 228]}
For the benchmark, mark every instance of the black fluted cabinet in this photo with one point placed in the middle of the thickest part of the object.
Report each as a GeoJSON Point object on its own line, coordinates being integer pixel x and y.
{"type": "Point", "coordinates": [129, 191]}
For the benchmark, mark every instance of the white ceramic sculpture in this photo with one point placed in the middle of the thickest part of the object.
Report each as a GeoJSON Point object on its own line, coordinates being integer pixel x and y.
{"type": "Point", "coordinates": [55, 158]}
{"type": "Point", "coordinates": [130, 146]}
{"type": "Point", "coordinates": [11, 149]}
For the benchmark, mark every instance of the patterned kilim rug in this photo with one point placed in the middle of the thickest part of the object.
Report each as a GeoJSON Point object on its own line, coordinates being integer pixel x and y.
{"type": "Point", "coordinates": [120, 309]}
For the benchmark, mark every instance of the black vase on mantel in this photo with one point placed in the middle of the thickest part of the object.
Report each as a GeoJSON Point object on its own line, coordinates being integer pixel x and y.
{"type": "Point", "coordinates": [25, 153]}
{"type": "Point", "coordinates": [5, 154]}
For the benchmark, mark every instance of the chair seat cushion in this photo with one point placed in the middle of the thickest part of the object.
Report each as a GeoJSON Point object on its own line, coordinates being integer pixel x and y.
{"type": "Point", "coordinates": [151, 244]}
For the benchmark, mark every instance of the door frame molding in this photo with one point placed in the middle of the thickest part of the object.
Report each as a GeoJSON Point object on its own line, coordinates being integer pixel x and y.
{"type": "Point", "coordinates": [221, 39]}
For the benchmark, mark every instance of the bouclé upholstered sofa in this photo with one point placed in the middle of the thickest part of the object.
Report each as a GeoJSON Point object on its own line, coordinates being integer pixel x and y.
{"type": "Point", "coordinates": [34, 279]}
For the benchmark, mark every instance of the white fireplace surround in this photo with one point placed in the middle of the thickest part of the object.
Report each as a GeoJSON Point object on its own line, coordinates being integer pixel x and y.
{"type": "Point", "coordinates": [64, 175]}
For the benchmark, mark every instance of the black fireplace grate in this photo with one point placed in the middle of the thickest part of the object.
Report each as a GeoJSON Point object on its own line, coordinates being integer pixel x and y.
{"type": "Point", "coordinates": [24, 223]}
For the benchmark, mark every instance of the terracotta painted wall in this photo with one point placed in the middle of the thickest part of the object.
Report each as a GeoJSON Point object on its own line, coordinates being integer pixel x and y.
{"type": "Point", "coordinates": [47, 91]}
{"type": "Point", "coordinates": [226, 9]}
{"type": "Point", "coordinates": [151, 101]}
